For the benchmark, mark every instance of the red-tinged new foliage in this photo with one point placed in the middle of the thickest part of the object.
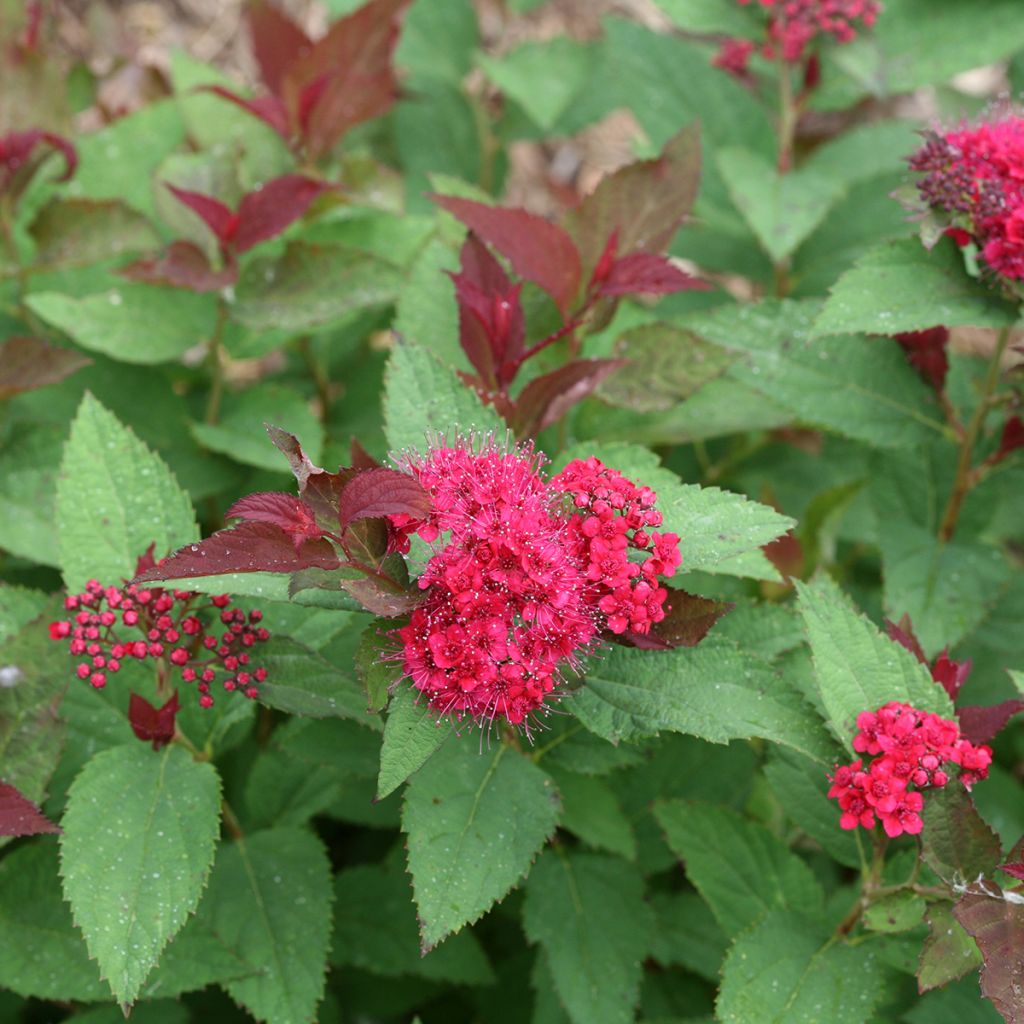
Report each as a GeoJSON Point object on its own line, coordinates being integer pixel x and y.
{"type": "Point", "coordinates": [151, 724]}
{"type": "Point", "coordinates": [19, 816]}
{"type": "Point", "coordinates": [20, 157]}
{"type": "Point", "coordinates": [181, 265]}
{"type": "Point", "coordinates": [927, 353]}
{"type": "Point", "coordinates": [320, 90]}
{"type": "Point", "coordinates": [982, 724]}
{"type": "Point", "coordinates": [909, 748]}
{"type": "Point", "coordinates": [688, 619]}
{"type": "Point", "coordinates": [546, 399]}
{"type": "Point", "coordinates": [248, 547]}
{"type": "Point", "coordinates": [378, 493]}
{"type": "Point", "coordinates": [292, 515]}
{"type": "Point", "coordinates": [995, 920]}
{"type": "Point", "coordinates": [949, 674]}
{"type": "Point", "coordinates": [30, 363]}
{"type": "Point", "coordinates": [646, 273]}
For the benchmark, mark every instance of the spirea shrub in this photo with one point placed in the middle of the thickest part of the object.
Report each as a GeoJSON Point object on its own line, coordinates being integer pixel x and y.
{"type": "Point", "coordinates": [511, 512]}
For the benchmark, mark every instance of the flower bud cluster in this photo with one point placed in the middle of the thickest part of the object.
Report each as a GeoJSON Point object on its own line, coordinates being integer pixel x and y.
{"type": "Point", "coordinates": [519, 586]}
{"type": "Point", "coordinates": [909, 748]}
{"type": "Point", "coordinates": [975, 177]}
{"type": "Point", "coordinates": [112, 624]}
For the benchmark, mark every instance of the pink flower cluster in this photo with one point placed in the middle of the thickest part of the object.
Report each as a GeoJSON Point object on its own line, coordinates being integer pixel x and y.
{"type": "Point", "coordinates": [612, 518]}
{"type": "Point", "coordinates": [793, 26]}
{"type": "Point", "coordinates": [975, 176]}
{"type": "Point", "coordinates": [520, 586]}
{"type": "Point", "coordinates": [111, 624]}
{"type": "Point", "coordinates": [909, 748]}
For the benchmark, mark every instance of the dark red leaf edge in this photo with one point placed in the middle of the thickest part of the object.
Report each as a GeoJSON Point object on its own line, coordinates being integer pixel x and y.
{"type": "Point", "coordinates": [375, 493]}
{"type": "Point", "coordinates": [151, 724]}
{"type": "Point", "coordinates": [19, 816]}
{"type": "Point", "coordinates": [547, 398]}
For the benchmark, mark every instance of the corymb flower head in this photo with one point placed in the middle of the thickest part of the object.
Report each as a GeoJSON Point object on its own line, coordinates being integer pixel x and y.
{"type": "Point", "coordinates": [525, 574]}
{"type": "Point", "coordinates": [974, 178]}
{"type": "Point", "coordinates": [912, 750]}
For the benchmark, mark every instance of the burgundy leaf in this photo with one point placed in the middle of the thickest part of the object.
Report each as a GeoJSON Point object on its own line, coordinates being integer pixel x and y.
{"type": "Point", "coordinates": [997, 925]}
{"type": "Point", "coordinates": [688, 619]}
{"type": "Point", "coordinates": [1014, 870]}
{"type": "Point", "coordinates": [318, 488]}
{"type": "Point", "coordinates": [491, 324]}
{"type": "Point", "coordinates": [644, 273]}
{"type": "Point", "coordinates": [956, 841]}
{"type": "Point", "coordinates": [361, 458]}
{"type": "Point", "coordinates": [146, 560]}
{"type": "Point", "coordinates": [266, 212]}
{"type": "Point", "coordinates": [217, 217]}
{"type": "Point", "coordinates": [643, 204]}
{"type": "Point", "coordinates": [277, 42]}
{"type": "Point", "coordinates": [27, 364]}
{"type": "Point", "coordinates": [926, 352]}
{"type": "Point", "coordinates": [786, 553]}
{"type": "Point", "coordinates": [295, 517]}
{"type": "Point", "coordinates": [949, 674]}
{"type": "Point", "coordinates": [250, 547]}
{"type": "Point", "coordinates": [1012, 438]}
{"type": "Point", "coordinates": [375, 493]}
{"type": "Point", "coordinates": [151, 724]}
{"type": "Point", "coordinates": [538, 250]}
{"type": "Point", "coordinates": [547, 399]}
{"type": "Point", "coordinates": [19, 816]}
{"type": "Point", "coordinates": [182, 265]}
{"type": "Point", "coordinates": [268, 109]}
{"type": "Point", "coordinates": [981, 724]}
{"type": "Point", "coordinates": [380, 599]}
{"type": "Point", "coordinates": [903, 633]}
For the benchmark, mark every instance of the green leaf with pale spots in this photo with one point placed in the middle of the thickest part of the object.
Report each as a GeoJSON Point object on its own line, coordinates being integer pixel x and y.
{"type": "Point", "coordinates": [589, 915]}
{"type": "Point", "coordinates": [857, 668]}
{"type": "Point", "coordinates": [790, 970]}
{"type": "Point", "coordinates": [269, 899]}
{"type": "Point", "coordinates": [139, 836]}
{"type": "Point", "coordinates": [114, 498]}
{"type": "Point", "coordinates": [423, 398]}
{"type": "Point", "coordinates": [741, 869]}
{"type": "Point", "coordinates": [474, 822]}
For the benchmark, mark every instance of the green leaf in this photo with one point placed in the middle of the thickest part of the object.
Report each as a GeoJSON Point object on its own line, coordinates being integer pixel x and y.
{"type": "Point", "coordinates": [114, 499]}
{"type": "Point", "coordinates": [856, 667]}
{"type": "Point", "coordinates": [740, 868]}
{"type": "Point", "coordinates": [303, 682]}
{"type": "Point", "coordinates": [859, 387]}
{"type": "Point", "coordinates": [311, 286]}
{"type": "Point", "coordinates": [134, 323]}
{"type": "Point", "coordinates": [423, 398]}
{"type": "Point", "coordinates": [788, 969]}
{"type": "Point", "coordinates": [948, 952]}
{"type": "Point", "coordinates": [713, 691]}
{"type": "Point", "coordinates": [139, 835]}
{"type": "Point", "coordinates": [28, 474]}
{"type": "Point", "coordinates": [589, 915]}
{"type": "Point", "coordinates": [898, 912]}
{"type": "Point", "coordinates": [957, 1003]}
{"type": "Point", "coordinates": [686, 934]}
{"type": "Point", "coordinates": [474, 823]}
{"type": "Point", "coordinates": [375, 929]}
{"type": "Point", "coordinates": [76, 232]}
{"type": "Point", "coordinates": [957, 843]}
{"type": "Point", "coordinates": [241, 431]}
{"type": "Point", "coordinates": [377, 672]}
{"type": "Point", "coordinates": [901, 286]}
{"type": "Point", "coordinates": [18, 607]}
{"type": "Point", "coordinates": [592, 811]}
{"type": "Point", "coordinates": [711, 16]}
{"type": "Point", "coordinates": [42, 954]}
{"type": "Point", "coordinates": [267, 586]}
{"type": "Point", "coordinates": [438, 40]}
{"type": "Point", "coordinates": [269, 899]}
{"type": "Point", "coordinates": [781, 209]}
{"type": "Point", "coordinates": [34, 674]}
{"type": "Point", "coordinates": [159, 1011]}
{"type": "Point", "coordinates": [412, 735]}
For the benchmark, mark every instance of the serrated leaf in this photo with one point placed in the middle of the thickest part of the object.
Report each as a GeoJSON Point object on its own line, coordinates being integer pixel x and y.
{"type": "Point", "coordinates": [788, 969]}
{"type": "Point", "coordinates": [740, 868]}
{"type": "Point", "coordinates": [858, 668]}
{"type": "Point", "coordinates": [311, 286]}
{"type": "Point", "coordinates": [423, 398]}
{"type": "Point", "coordinates": [781, 209]}
{"type": "Point", "coordinates": [901, 286]}
{"type": "Point", "coordinates": [375, 929]}
{"type": "Point", "coordinates": [28, 461]}
{"type": "Point", "coordinates": [997, 925]}
{"type": "Point", "coordinates": [948, 952]}
{"type": "Point", "coordinates": [140, 830]}
{"type": "Point", "coordinates": [114, 498]}
{"type": "Point", "coordinates": [412, 735]}
{"type": "Point", "coordinates": [19, 816]}
{"type": "Point", "coordinates": [377, 672]}
{"type": "Point", "coordinates": [713, 691]}
{"type": "Point", "coordinates": [686, 934]}
{"type": "Point", "coordinates": [269, 899]}
{"type": "Point", "coordinates": [589, 915]}
{"type": "Point", "coordinates": [133, 323]}
{"type": "Point", "coordinates": [957, 843]}
{"type": "Point", "coordinates": [474, 822]}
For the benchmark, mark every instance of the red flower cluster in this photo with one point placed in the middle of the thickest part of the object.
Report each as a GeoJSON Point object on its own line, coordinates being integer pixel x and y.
{"type": "Point", "coordinates": [111, 624]}
{"type": "Point", "coordinates": [910, 748]}
{"type": "Point", "coordinates": [976, 177]}
{"type": "Point", "coordinates": [613, 516]}
{"type": "Point", "coordinates": [520, 586]}
{"type": "Point", "coordinates": [793, 26]}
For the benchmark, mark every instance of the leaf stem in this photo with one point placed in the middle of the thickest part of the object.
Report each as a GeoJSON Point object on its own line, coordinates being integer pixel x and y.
{"type": "Point", "coordinates": [966, 478]}
{"type": "Point", "coordinates": [320, 379]}
{"type": "Point", "coordinates": [216, 363]}
{"type": "Point", "coordinates": [231, 822]}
